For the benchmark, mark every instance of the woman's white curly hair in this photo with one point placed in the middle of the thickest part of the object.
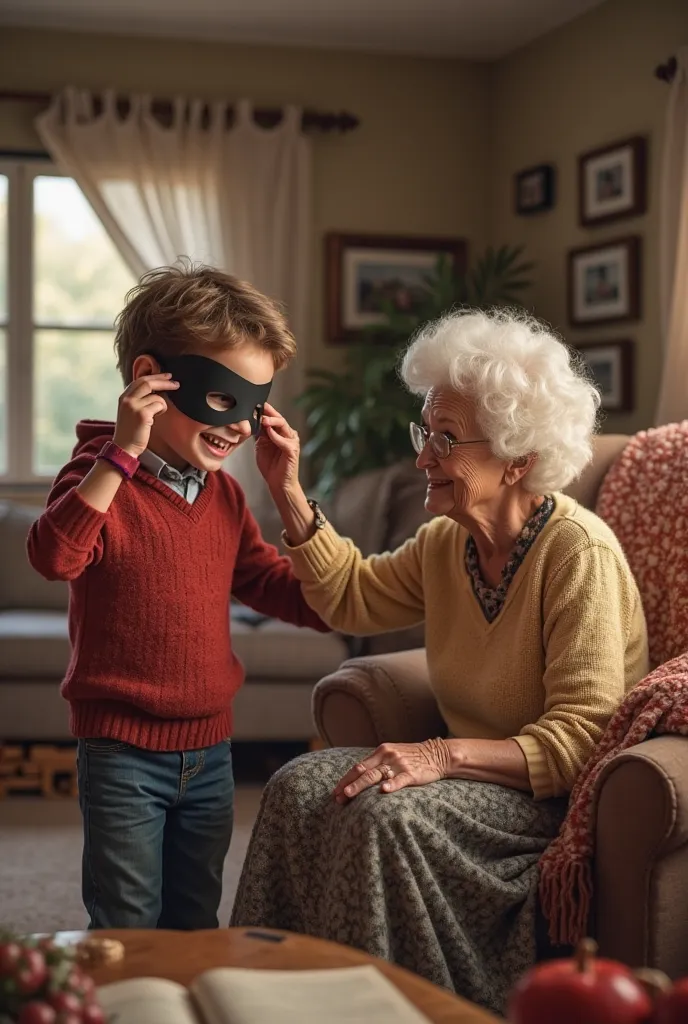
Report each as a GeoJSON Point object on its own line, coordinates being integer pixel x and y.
{"type": "Point", "coordinates": [532, 394]}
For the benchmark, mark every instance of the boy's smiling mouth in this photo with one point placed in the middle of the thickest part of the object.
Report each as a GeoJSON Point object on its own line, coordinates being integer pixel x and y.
{"type": "Point", "coordinates": [216, 444]}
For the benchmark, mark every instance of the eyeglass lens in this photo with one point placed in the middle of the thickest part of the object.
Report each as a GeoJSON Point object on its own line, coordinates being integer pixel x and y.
{"type": "Point", "coordinates": [420, 436]}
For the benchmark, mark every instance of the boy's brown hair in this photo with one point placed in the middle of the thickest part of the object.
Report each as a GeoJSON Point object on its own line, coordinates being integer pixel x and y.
{"type": "Point", "coordinates": [176, 310]}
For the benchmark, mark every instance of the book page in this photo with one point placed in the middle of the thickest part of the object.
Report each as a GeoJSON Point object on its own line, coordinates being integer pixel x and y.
{"type": "Point", "coordinates": [345, 995]}
{"type": "Point", "coordinates": [146, 1001]}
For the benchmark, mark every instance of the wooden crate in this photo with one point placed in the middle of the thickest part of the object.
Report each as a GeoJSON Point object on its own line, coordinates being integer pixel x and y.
{"type": "Point", "coordinates": [36, 769]}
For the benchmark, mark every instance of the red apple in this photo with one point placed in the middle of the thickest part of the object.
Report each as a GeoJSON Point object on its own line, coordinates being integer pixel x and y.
{"type": "Point", "coordinates": [36, 1013]}
{"type": "Point", "coordinates": [30, 971]}
{"type": "Point", "coordinates": [79, 983]}
{"type": "Point", "coordinates": [580, 991]}
{"type": "Point", "coordinates": [10, 953]}
{"type": "Point", "coordinates": [672, 1006]}
{"type": "Point", "coordinates": [92, 1014]}
{"type": "Point", "coordinates": [74, 979]}
{"type": "Point", "coordinates": [65, 1002]}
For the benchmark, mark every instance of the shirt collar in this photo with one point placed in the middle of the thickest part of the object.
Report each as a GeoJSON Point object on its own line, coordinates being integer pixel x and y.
{"type": "Point", "coordinates": [158, 467]}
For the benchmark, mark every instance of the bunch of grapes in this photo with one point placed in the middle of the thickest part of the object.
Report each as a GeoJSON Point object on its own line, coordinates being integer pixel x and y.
{"type": "Point", "coordinates": [41, 983]}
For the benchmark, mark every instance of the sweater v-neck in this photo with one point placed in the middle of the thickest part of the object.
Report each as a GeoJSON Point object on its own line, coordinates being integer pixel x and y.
{"type": "Point", "coordinates": [559, 512]}
{"type": "Point", "coordinates": [491, 598]}
{"type": "Point", "coordinates": [195, 511]}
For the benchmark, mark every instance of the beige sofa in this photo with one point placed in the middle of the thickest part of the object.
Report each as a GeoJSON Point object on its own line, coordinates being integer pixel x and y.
{"type": "Point", "coordinates": [282, 663]}
{"type": "Point", "coordinates": [641, 864]}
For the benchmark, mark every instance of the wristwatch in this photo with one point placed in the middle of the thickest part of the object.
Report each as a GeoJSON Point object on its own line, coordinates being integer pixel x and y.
{"type": "Point", "coordinates": [320, 520]}
{"type": "Point", "coordinates": [117, 457]}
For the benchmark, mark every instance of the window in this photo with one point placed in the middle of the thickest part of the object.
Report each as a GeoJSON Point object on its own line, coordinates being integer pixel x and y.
{"type": "Point", "coordinates": [62, 282]}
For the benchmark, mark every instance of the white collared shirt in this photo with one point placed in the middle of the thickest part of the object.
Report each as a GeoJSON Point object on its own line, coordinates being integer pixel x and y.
{"type": "Point", "coordinates": [187, 482]}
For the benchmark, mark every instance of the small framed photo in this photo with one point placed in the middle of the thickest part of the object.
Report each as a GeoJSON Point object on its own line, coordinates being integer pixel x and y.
{"type": "Point", "coordinates": [612, 182]}
{"type": "Point", "coordinates": [611, 364]}
{"type": "Point", "coordinates": [366, 272]}
{"type": "Point", "coordinates": [604, 282]}
{"type": "Point", "coordinates": [534, 189]}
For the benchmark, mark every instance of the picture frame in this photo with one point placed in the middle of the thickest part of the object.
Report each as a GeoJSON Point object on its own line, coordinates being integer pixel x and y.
{"type": "Point", "coordinates": [361, 269]}
{"type": "Point", "coordinates": [612, 182]}
{"type": "Point", "coordinates": [604, 282]}
{"type": "Point", "coordinates": [534, 189]}
{"type": "Point", "coordinates": [612, 367]}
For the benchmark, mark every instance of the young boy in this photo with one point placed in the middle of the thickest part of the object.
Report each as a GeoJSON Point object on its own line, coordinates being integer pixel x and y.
{"type": "Point", "coordinates": [154, 540]}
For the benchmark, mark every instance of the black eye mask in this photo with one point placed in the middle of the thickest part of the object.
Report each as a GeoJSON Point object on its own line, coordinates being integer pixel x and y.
{"type": "Point", "coordinates": [199, 376]}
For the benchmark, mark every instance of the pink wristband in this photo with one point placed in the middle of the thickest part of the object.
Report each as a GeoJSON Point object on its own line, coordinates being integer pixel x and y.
{"type": "Point", "coordinates": [117, 457]}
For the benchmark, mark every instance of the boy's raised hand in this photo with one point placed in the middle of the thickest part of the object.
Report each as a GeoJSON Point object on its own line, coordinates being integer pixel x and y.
{"type": "Point", "coordinates": [277, 451]}
{"type": "Point", "coordinates": [138, 406]}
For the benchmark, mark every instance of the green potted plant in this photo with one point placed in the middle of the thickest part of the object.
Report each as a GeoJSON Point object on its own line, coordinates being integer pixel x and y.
{"type": "Point", "coordinates": [358, 418]}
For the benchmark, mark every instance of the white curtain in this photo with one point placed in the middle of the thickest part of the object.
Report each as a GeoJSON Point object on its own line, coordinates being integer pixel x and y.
{"type": "Point", "coordinates": [673, 395]}
{"type": "Point", "coordinates": [237, 198]}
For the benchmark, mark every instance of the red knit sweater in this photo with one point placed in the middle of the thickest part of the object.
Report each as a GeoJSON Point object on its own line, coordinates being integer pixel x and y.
{"type": "Point", "coordinates": [150, 584]}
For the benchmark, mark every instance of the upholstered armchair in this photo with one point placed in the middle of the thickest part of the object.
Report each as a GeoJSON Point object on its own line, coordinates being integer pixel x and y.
{"type": "Point", "coordinates": [641, 863]}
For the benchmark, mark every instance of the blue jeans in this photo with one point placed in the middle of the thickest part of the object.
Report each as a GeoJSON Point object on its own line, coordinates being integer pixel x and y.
{"type": "Point", "coordinates": [157, 828]}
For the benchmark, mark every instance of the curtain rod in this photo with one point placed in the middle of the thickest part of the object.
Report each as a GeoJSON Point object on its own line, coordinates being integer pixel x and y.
{"type": "Point", "coordinates": [666, 72]}
{"type": "Point", "coordinates": [266, 117]}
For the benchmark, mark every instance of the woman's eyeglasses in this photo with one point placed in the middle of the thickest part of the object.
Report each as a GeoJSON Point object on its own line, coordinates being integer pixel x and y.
{"type": "Point", "coordinates": [441, 445]}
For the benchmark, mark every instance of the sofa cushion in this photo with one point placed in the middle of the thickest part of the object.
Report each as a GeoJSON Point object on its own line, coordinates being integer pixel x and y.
{"type": "Point", "coordinates": [407, 505]}
{"type": "Point", "coordinates": [360, 508]}
{"type": "Point", "coordinates": [20, 585]}
{"type": "Point", "coordinates": [35, 645]}
{"type": "Point", "coordinates": [606, 450]}
{"type": "Point", "coordinates": [275, 650]}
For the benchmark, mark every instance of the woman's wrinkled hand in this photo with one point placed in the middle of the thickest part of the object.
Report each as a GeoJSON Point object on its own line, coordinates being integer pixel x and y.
{"type": "Point", "coordinates": [277, 451]}
{"type": "Point", "coordinates": [394, 766]}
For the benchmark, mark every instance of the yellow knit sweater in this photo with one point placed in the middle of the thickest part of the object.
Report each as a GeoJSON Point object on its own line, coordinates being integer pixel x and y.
{"type": "Point", "coordinates": [549, 671]}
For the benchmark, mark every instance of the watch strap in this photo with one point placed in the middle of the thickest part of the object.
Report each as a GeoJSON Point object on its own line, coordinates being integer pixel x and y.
{"type": "Point", "coordinates": [127, 464]}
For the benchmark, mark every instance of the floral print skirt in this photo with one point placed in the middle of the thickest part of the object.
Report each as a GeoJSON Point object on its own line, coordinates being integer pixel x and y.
{"type": "Point", "coordinates": [440, 879]}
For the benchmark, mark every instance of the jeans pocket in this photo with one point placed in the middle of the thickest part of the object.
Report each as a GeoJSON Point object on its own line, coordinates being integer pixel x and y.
{"type": "Point", "coordinates": [104, 746]}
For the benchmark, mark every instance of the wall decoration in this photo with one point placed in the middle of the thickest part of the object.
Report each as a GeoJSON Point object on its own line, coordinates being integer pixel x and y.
{"type": "Point", "coordinates": [612, 182]}
{"type": "Point", "coordinates": [611, 364]}
{"type": "Point", "coordinates": [534, 189]}
{"type": "Point", "coordinates": [604, 282]}
{"type": "Point", "coordinates": [365, 271]}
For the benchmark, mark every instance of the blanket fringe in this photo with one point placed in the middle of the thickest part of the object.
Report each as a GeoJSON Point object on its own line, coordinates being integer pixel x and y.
{"type": "Point", "coordinates": [565, 898]}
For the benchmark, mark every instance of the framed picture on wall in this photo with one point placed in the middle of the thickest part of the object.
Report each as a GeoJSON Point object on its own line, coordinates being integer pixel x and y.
{"type": "Point", "coordinates": [612, 182]}
{"type": "Point", "coordinates": [611, 365]}
{"type": "Point", "coordinates": [365, 272]}
{"type": "Point", "coordinates": [534, 189]}
{"type": "Point", "coordinates": [604, 282]}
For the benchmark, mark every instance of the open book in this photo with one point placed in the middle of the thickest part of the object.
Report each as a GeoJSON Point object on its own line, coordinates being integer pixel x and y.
{"type": "Point", "coordinates": [236, 995]}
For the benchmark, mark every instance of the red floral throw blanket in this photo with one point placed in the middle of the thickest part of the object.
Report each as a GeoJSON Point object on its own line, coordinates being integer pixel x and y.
{"type": "Point", "coordinates": [644, 499]}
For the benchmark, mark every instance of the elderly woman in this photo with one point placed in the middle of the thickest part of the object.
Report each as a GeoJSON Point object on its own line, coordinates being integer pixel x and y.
{"type": "Point", "coordinates": [426, 854]}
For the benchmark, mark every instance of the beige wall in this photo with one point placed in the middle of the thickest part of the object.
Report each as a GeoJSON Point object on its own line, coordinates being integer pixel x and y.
{"type": "Point", "coordinates": [415, 165]}
{"type": "Point", "coordinates": [584, 85]}
{"type": "Point", "coordinates": [439, 140]}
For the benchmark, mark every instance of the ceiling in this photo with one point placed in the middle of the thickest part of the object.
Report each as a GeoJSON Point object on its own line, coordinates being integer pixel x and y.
{"type": "Point", "coordinates": [473, 29]}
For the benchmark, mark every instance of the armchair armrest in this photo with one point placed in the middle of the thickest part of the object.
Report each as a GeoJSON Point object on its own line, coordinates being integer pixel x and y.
{"type": "Point", "coordinates": [368, 701]}
{"type": "Point", "coordinates": [641, 860]}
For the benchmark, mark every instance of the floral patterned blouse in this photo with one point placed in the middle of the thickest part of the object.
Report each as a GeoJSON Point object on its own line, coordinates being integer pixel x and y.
{"type": "Point", "coordinates": [491, 599]}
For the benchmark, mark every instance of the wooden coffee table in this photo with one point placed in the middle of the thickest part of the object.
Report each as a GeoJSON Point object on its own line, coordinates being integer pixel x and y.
{"type": "Point", "coordinates": [181, 956]}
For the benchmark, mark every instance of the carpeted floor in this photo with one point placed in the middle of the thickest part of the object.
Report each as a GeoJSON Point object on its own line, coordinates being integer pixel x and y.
{"type": "Point", "coordinates": [40, 861]}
